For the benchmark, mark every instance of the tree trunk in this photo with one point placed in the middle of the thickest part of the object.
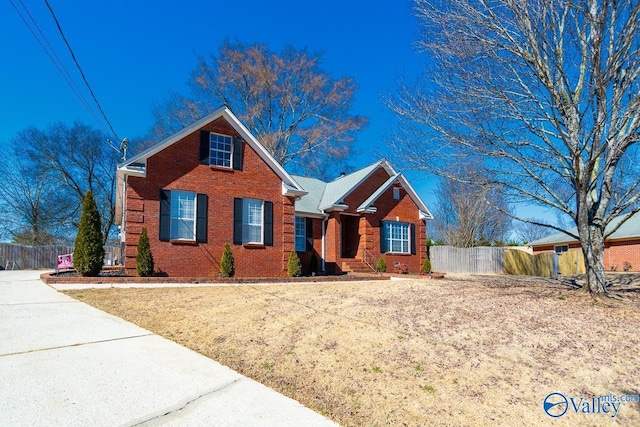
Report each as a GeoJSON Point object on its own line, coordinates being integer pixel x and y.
{"type": "Point", "coordinates": [593, 250]}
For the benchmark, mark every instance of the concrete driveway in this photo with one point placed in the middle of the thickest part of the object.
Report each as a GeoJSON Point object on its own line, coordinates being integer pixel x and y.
{"type": "Point", "coordinates": [63, 362]}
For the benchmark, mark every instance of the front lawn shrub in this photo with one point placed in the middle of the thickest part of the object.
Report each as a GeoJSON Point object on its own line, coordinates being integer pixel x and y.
{"type": "Point", "coordinates": [88, 254]}
{"type": "Point", "coordinates": [227, 266]}
{"type": "Point", "coordinates": [426, 266]}
{"type": "Point", "coordinates": [144, 257]}
{"type": "Point", "coordinates": [294, 267]}
{"type": "Point", "coordinates": [381, 265]}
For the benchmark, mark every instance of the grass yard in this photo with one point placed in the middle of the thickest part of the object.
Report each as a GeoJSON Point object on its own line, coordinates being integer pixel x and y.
{"type": "Point", "coordinates": [471, 351]}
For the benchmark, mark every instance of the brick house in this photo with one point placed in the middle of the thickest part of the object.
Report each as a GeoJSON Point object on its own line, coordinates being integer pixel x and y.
{"type": "Point", "coordinates": [213, 183]}
{"type": "Point", "coordinates": [621, 249]}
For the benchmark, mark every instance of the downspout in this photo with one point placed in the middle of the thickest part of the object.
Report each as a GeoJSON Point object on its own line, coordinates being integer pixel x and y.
{"type": "Point", "coordinates": [123, 224]}
{"type": "Point", "coordinates": [324, 230]}
{"type": "Point", "coordinates": [124, 210]}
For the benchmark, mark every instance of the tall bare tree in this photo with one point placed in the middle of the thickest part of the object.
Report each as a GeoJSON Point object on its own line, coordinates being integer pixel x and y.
{"type": "Point", "coordinates": [527, 232]}
{"type": "Point", "coordinates": [299, 112]}
{"type": "Point", "coordinates": [75, 159]}
{"type": "Point", "coordinates": [466, 216]}
{"type": "Point", "coordinates": [546, 93]}
{"type": "Point", "coordinates": [35, 208]}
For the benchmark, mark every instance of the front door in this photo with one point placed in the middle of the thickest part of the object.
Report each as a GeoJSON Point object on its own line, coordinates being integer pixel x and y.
{"type": "Point", "coordinates": [350, 235]}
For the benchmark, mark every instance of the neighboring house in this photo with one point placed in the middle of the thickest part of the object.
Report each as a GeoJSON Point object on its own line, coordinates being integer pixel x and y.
{"type": "Point", "coordinates": [621, 249]}
{"type": "Point", "coordinates": [213, 183]}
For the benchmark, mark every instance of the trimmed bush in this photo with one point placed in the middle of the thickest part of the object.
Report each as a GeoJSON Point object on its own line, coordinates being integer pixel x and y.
{"type": "Point", "coordinates": [294, 267]}
{"type": "Point", "coordinates": [381, 265]}
{"type": "Point", "coordinates": [88, 254]}
{"type": "Point", "coordinates": [313, 263]}
{"type": "Point", "coordinates": [426, 266]}
{"type": "Point", "coordinates": [227, 264]}
{"type": "Point", "coordinates": [144, 257]}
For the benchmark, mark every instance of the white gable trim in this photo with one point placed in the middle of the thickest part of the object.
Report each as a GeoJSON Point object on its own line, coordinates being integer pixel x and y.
{"type": "Point", "coordinates": [367, 205]}
{"type": "Point", "coordinates": [292, 187]}
{"type": "Point", "coordinates": [339, 204]}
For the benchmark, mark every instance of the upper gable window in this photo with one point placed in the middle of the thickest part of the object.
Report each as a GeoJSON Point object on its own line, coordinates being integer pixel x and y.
{"type": "Point", "coordinates": [222, 151]}
{"type": "Point", "coordinates": [221, 148]}
{"type": "Point", "coordinates": [396, 193]}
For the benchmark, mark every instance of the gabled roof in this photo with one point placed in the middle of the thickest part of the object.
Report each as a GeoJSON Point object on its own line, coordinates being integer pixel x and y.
{"type": "Point", "coordinates": [368, 205]}
{"type": "Point", "coordinates": [339, 188]}
{"type": "Point", "coordinates": [630, 229]}
{"type": "Point", "coordinates": [310, 203]}
{"type": "Point", "coordinates": [324, 197]}
{"type": "Point", "coordinates": [136, 165]}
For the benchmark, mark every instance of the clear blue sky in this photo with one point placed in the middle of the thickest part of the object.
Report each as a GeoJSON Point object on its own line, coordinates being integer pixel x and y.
{"type": "Point", "coordinates": [134, 52]}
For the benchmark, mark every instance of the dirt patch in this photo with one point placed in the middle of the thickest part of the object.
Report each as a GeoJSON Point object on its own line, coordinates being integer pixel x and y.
{"type": "Point", "coordinates": [470, 351]}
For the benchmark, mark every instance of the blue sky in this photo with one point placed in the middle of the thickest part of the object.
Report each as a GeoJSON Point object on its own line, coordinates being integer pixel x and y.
{"type": "Point", "coordinates": [134, 52]}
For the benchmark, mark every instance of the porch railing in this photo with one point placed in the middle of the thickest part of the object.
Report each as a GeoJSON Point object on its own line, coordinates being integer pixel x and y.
{"type": "Point", "coordinates": [369, 259]}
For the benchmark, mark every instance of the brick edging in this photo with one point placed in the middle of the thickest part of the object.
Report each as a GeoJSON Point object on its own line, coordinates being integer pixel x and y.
{"type": "Point", "coordinates": [50, 279]}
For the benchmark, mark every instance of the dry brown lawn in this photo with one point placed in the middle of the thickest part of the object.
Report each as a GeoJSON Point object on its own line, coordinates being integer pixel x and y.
{"type": "Point", "coordinates": [470, 351]}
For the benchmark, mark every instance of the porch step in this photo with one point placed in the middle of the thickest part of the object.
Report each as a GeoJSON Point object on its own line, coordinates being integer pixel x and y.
{"type": "Point", "coordinates": [356, 266]}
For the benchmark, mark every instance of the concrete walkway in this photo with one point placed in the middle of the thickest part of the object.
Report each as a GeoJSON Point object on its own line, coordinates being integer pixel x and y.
{"type": "Point", "coordinates": [63, 362]}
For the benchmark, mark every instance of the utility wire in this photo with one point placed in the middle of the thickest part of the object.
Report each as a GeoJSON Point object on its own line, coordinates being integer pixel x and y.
{"type": "Point", "coordinates": [80, 69]}
{"type": "Point", "coordinates": [49, 51]}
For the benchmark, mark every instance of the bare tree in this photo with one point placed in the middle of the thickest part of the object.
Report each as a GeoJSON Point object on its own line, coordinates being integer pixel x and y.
{"type": "Point", "coordinates": [35, 208]}
{"type": "Point", "coordinates": [527, 232]}
{"type": "Point", "coordinates": [75, 159]}
{"type": "Point", "coordinates": [546, 93]}
{"type": "Point", "coordinates": [299, 112]}
{"type": "Point", "coordinates": [466, 217]}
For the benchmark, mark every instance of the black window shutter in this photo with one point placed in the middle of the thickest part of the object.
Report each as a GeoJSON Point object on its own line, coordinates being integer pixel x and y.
{"type": "Point", "coordinates": [413, 238]}
{"type": "Point", "coordinates": [383, 238]}
{"type": "Point", "coordinates": [165, 215]}
{"type": "Point", "coordinates": [237, 153]}
{"type": "Point", "coordinates": [309, 234]}
{"type": "Point", "coordinates": [201, 218]}
{"type": "Point", "coordinates": [268, 223]}
{"type": "Point", "coordinates": [205, 146]}
{"type": "Point", "coordinates": [237, 221]}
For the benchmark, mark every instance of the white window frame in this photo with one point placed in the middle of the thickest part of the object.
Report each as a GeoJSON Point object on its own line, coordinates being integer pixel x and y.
{"type": "Point", "coordinates": [177, 210]}
{"type": "Point", "coordinates": [300, 234]}
{"type": "Point", "coordinates": [250, 220]}
{"type": "Point", "coordinates": [217, 156]}
{"type": "Point", "coordinates": [404, 241]}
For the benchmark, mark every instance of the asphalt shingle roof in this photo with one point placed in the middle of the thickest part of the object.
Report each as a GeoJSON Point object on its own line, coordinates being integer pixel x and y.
{"type": "Point", "coordinates": [324, 194]}
{"type": "Point", "coordinates": [631, 228]}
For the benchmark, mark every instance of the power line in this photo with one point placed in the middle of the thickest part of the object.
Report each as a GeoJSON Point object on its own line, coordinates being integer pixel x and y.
{"type": "Point", "coordinates": [51, 53]}
{"type": "Point", "coordinates": [73, 56]}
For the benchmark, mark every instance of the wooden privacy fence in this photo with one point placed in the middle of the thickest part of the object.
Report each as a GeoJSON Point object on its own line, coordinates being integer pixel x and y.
{"type": "Point", "coordinates": [503, 261]}
{"type": "Point", "coordinates": [22, 257]}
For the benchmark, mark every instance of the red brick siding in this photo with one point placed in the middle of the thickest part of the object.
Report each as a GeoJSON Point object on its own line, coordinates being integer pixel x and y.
{"type": "Point", "coordinates": [403, 210]}
{"type": "Point", "coordinates": [366, 189]}
{"type": "Point", "coordinates": [177, 167]}
{"type": "Point", "coordinates": [369, 225]}
{"type": "Point", "coordinates": [617, 252]}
